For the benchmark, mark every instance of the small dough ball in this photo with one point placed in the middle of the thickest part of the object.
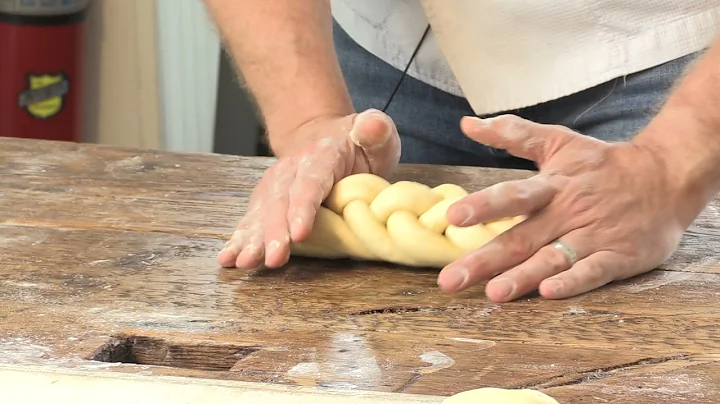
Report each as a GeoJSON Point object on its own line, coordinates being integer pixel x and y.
{"type": "Point", "coordinates": [491, 395]}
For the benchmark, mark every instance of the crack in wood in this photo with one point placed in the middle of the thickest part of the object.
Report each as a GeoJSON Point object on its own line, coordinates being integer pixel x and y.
{"type": "Point", "coordinates": [404, 309]}
{"type": "Point", "coordinates": [595, 313]}
{"type": "Point", "coordinates": [598, 373]}
{"type": "Point", "coordinates": [414, 379]}
{"type": "Point", "coordinates": [389, 310]}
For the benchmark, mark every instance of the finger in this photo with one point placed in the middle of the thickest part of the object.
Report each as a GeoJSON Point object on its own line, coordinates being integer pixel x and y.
{"type": "Point", "coordinates": [314, 179]}
{"type": "Point", "coordinates": [376, 134]}
{"type": "Point", "coordinates": [231, 250]}
{"type": "Point", "coordinates": [244, 249]}
{"type": "Point", "coordinates": [228, 256]}
{"type": "Point", "coordinates": [505, 251]}
{"type": "Point", "coordinates": [275, 227]}
{"type": "Point", "coordinates": [520, 137]}
{"type": "Point", "coordinates": [547, 262]}
{"type": "Point", "coordinates": [588, 274]}
{"type": "Point", "coordinates": [506, 199]}
{"type": "Point", "coordinates": [253, 251]}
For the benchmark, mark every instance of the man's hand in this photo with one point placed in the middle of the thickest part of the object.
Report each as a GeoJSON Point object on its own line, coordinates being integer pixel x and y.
{"type": "Point", "coordinates": [283, 205]}
{"type": "Point", "coordinates": [285, 52]}
{"type": "Point", "coordinates": [617, 206]}
{"type": "Point", "coordinates": [617, 209]}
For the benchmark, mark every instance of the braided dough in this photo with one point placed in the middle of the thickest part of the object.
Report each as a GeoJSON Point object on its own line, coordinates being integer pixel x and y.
{"type": "Point", "coordinates": [491, 395]}
{"type": "Point", "coordinates": [367, 218]}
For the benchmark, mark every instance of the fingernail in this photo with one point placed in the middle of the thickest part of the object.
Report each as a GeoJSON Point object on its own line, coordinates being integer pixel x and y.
{"type": "Point", "coordinates": [467, 213]}
{"type": "Point", "coordinates": [504, 288]}
{"type": "Point", "coordinates": [556, 287]}
{"type": "Point", "coordinates": [272, 247]}
{"type": "Point", "coordinates": [375, 114]}
{"type": "Point", "coordinates": [456, 278]}
{"type": "Point", "coordinates": [372, 112]}
{"type": "Point", "coordinates": [478, 122]}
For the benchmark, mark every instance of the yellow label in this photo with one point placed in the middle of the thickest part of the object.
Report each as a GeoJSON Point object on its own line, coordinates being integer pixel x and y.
{"type": "Point", "coordinates": [45, 97]}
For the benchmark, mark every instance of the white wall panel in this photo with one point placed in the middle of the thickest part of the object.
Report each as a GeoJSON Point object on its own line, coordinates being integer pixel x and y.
{"type": "Point", "coordinates": [188, 50]}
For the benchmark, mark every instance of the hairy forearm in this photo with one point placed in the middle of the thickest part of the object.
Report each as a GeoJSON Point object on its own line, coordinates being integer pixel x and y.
{"type": "Point", "coordinates": [285, 52]}
{"type": "Point", "coordinates": [686, 131]}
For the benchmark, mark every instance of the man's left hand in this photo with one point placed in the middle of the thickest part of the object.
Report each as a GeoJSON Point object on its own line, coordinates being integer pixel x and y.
{"type": "Point", "coordinates": [614, 208]}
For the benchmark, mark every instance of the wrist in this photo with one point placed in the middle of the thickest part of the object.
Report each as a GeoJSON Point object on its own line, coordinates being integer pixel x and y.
{"type": "Point", "coordinates": [312, 101]}
{"type": "Point", "coordinates": [287, 136]}
{"type": "Point", "coordinates": [676, 138]}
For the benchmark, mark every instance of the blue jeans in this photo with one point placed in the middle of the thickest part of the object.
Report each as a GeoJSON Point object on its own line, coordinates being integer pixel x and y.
{"type": "Point", "coordinates": [428, 118]}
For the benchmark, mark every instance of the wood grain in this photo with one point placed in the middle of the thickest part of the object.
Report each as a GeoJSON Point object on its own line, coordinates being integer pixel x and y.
{"type": "Point", "coordinates": [103, 247]}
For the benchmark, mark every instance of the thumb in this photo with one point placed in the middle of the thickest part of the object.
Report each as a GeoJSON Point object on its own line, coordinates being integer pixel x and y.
{"type": "Point", "coordinates": [520, 137]}
{"type": "Point", "coordinates": [375, 133]}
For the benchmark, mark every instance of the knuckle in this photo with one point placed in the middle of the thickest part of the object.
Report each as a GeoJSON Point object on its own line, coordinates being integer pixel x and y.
{"type": "Point", "coordinates": [492, 197]}
{"type": "Point", "coordinates": [554, 260]}
{"type": "Point", "coordinates": [326, 143]}
{"type": "Point", "coordinates": [305, 163]}
{"type": "Point", "coordinates": [313, 176]}
{"type": "Point", "coordinates": [238, 234]}
{"type": "Point", "coordinates": [583, 206]}
{"type": "Point", "coordinates": [593, 273]}
{"type": "Point", "coordinates": [256, 241]}
{"type": "Point", "coordinates": [277, 196]}
{"type": "Point", "coordinates": [247, 229]}
{"type": "Point", "coordinates": [328, 147]}
{"type": "Point", "coordinates": [297, 189]}
{"type": "Point", "coordinates": [561, 129]}
{"type": "Point", "coordinates": [236, 240]}
{"type": "Point", "coordinates": [523, 196]}
{"type": "Point", "coordinates": [584, 201]}
{"type": "Point", "coordinates": [517, 244]}
{"type": "Point", "coordinates": [513, 123]}
{"type": "Point", "coordinates": [479, 266]}
{"type": "Point", "coordinates": [508, 120]}
{"type": "Point", "coordinates": [306, 190]}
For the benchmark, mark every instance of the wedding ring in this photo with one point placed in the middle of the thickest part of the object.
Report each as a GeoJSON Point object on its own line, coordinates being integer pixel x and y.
{"type": "Point", "coordinates": [569, 254]}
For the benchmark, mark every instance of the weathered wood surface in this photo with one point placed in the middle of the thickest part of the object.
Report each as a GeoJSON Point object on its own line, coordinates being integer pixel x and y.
{"type": "Point", "coordinates": [110, 254]}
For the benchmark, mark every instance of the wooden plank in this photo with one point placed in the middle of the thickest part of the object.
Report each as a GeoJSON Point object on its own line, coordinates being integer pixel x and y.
{"type": "Point", "coordinates": [113, 252]}
{"type": "Point", "coordinates": [40, 385]}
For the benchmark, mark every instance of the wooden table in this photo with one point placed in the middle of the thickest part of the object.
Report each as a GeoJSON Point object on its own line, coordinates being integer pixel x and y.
{"type": "Point", "coordinates": [108, 255]}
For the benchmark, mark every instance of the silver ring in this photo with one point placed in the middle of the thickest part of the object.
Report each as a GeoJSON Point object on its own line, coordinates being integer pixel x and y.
{"type": "Point", "coordinates": [569, 254]}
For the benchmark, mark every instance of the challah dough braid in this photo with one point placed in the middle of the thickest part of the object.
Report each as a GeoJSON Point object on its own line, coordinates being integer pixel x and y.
{"type": "Point", "coordinates": [367, 218]}
{"type": "Point", "coordinates": [491, 395]}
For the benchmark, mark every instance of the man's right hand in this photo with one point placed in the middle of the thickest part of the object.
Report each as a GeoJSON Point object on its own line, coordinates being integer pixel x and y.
{"type": "Point", "coordinates": [284, 203]}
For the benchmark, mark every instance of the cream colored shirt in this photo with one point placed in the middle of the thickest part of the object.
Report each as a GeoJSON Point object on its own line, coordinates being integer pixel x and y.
{"type": "Point", "coordinates": [508, 54]}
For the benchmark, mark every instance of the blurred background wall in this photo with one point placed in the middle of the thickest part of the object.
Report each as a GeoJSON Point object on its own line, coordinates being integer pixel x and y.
{"type": "Point", "coordinates": [156, 77]}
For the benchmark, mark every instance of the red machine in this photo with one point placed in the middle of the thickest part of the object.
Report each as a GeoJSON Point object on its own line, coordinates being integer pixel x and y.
{"type": "Point", "coordinates": [41, 75]}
